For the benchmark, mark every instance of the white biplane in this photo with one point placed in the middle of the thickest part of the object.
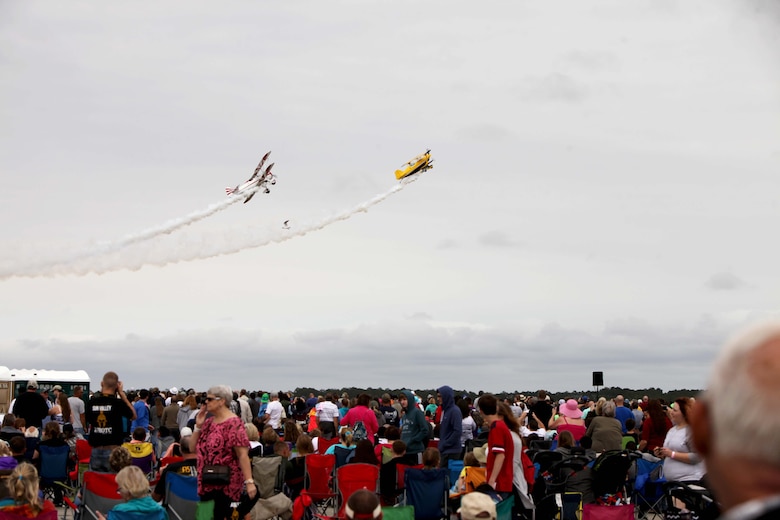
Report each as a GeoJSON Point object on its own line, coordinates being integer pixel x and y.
{"type": "Point", "coordinates": [257, 180]}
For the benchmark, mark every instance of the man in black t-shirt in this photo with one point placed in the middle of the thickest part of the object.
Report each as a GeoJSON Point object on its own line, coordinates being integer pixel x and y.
{"type": "Point", "coordinates": [542, 409]}
{"type": "Point", "coordinates": [31, 406]}
{"type": "Point", "coordinates": [105, 413]}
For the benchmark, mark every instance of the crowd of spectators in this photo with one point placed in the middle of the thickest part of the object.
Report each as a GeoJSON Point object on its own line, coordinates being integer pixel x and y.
{"type": "Point", "coordinates": [218, 432]}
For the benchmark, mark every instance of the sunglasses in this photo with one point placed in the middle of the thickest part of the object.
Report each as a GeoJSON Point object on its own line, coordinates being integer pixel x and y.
{"type": "Point", "coordinates": [209, 399]}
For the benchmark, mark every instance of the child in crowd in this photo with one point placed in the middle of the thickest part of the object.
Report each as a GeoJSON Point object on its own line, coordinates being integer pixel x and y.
{"type": "Point", "coordinates": [7, 460]}
{"type": "Point", "coordinates": [23, 488]}
{"type": "Point", "coordinates": [469, 461]}
{"type": "Point", "coordinates": [431, 458]}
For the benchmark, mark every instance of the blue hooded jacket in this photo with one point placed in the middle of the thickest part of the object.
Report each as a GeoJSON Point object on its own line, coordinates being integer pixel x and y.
{"type": "Point", "coordinates": [414, 429]}
{"type": "Point", "coordinates": [451, 423]}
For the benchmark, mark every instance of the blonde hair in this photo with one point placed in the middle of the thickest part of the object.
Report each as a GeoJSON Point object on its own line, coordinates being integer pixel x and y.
{"type": "Point", "coordinates": [132, 481]}
{"type": "Point", "coordinates": [251, 432]}
{"type": "Point", "coordinates": [5, 449]}
{"type": "Point", "coordinates": [346, 437]}
{"type": "Point", "coordinates": [24, 486]}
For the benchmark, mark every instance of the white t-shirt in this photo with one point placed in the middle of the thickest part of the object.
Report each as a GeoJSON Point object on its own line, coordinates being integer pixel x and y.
{"type": "Point", "coordinates": [274, 413]}
{"type": "Point", "coordinates": [327, 411]}
{"type": "Point", "coordinates": [678, 439]}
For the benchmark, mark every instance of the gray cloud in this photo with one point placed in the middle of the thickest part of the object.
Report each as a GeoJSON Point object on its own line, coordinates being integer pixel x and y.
{"type": "Point", "coordinates": [498, 238]}
{"type": "Point", "coordinates": [725, 281]}
{"type": "Point", "coordinates": [414, 352]}
{"type": "Point", "coordinates": [556, 86]}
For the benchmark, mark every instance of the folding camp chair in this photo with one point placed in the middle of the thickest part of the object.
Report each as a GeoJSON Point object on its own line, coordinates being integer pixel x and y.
{"type": "Point", "coordinates": [398, 513]}
{"type": "Point", "coordinates": [351, 477]}
{"type": "Point", "coordinates": [268, 474]}
{"type": "Point", "coordinates": [101, 493]}
{"type": "Point", "coordinates": [426, 490]}
{"type": "Point", "coordinates": [161, 466]}
{"type": "Point", "coordinates": [142, 455]}
{"type": "Point", "coordinates": [648, 488]}
{"type": "Point", "coordinates": [54, 469]}
{"type": "Point", "coordinates": [318, 482]}
{"type": "Point", "coordinates": [505, 508]}
{"type": "Point", "coordinates": [181, 496]}
{"type": "Point", "coordinates": [343, 455]}
{"type": "Point", "coordinates": [400, 470]}
{"type": "Point", "coordinates": [83, 454]}
{"type": "Point", "coordinates": [323, 444]}
{"type": "Point", "coordinates": [455, 466]}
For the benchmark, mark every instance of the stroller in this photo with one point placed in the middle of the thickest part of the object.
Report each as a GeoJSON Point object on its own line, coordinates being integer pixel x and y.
{"type": "Point", "coordinates": [610, 472]}
{"type": "Point", "coordinates": [697, 502]}
{"type": "Point", "coordinates": [565, 485]}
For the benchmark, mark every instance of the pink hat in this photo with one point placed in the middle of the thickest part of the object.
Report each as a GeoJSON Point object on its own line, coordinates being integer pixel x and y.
{"type": "Point", "coordinates": [570, 409]}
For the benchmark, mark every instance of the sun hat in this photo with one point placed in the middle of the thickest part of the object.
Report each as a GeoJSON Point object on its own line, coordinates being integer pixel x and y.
{"type": "Point", "coordinates": [570, 409]}
{"type": "Point", "coordinates": [477, 506]}
{"type": "Point", "coordinates": [480, 452]}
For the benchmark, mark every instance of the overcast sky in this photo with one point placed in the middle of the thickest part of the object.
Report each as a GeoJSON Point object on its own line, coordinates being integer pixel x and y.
{"type": "Point", "coordinates": [604, 197]}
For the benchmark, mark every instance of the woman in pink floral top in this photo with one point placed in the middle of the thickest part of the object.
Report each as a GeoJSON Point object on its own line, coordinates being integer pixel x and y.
{"type": "Point", "coordinates": [221, 439]}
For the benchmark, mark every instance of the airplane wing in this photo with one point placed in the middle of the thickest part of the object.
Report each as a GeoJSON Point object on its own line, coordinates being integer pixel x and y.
{"type": "Point", "coordinates": [250, 197]}
{"type": "Point", "coordinates": [260, 165]}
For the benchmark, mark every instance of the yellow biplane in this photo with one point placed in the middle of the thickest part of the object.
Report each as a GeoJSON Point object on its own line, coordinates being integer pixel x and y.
{"type": "Point", "coordinates": [419, 164]}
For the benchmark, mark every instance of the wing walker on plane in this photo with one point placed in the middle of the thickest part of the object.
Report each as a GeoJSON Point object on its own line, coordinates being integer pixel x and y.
{"type": "Point", "coordinates": [257, 180]}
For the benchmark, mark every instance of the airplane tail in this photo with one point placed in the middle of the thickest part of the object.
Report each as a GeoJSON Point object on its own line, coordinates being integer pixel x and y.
{"type": "Point", "coordinates": [230, 191]}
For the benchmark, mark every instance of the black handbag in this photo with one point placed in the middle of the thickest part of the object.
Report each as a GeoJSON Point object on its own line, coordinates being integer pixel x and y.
{"type": "Point", "coordinates": [215, 475]}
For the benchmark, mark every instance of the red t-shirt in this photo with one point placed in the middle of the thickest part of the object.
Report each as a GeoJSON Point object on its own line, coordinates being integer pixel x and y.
{"type": "Point", "coordinates": [500, 441]}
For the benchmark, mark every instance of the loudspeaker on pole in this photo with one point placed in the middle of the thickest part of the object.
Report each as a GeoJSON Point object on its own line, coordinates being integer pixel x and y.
{"type": "Point", "coordinates": [598, 378]}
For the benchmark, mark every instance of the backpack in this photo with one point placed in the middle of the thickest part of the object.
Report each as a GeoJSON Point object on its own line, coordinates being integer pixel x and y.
{"type": "Point", "coordinates": [478, 420]}
{"type": "Point", "coordinates": [359, 431]}
{"type": "Point", "coordinates": [529, 471]}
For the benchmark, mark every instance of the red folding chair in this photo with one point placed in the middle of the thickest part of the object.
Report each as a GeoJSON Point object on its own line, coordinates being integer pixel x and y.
{"type": "Point", "coordinates": [324, 444]}
{"type": "Point", "coordinates": [318, 482]}
{"type": "Point", "coordinates": [83, 454]}
{"type": "Point", "coordinates": [352, 477]}
{"type": "Point", "coordinates": [164, 462]}
{"type": "Point", "coordinates": [101, 493]}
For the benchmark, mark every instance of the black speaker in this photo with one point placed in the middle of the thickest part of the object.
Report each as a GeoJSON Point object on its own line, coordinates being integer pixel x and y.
{"type": "Point", "coordinates": [598, 378]}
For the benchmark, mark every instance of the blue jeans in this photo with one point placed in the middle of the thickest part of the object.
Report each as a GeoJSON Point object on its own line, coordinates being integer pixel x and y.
{"type": "Point", "coordinates": [99, 459]}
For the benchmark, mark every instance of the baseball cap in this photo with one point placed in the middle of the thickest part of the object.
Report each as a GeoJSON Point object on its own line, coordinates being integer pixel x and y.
{"type": "Point", "coordinates": [32, 383]}
{"type": "Point", "coordinates": [57, 387]}
{"type": "Point", "coordinates": [185, 432]}
{"type": "Point", "coordinates": [477, 506]}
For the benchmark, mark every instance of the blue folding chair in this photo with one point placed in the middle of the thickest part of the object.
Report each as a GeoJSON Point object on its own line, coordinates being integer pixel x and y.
{"type": "Point", "coordinates": [181, 496]}
{"type": "Point", "coordinates": [455, 467]}
{"type": "Point", "coordinates": [648, 491]}
{"type": "Point", "coordinates": [427, 491]}
{"type": "Point", "coordinates": [54, 469]}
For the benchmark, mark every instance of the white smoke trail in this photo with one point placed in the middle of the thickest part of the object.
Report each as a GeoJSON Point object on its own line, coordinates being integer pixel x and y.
{"type": "Point", "coordinates": [59, 265]}
{"type": "Point", "coordinates": [207, 247]}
